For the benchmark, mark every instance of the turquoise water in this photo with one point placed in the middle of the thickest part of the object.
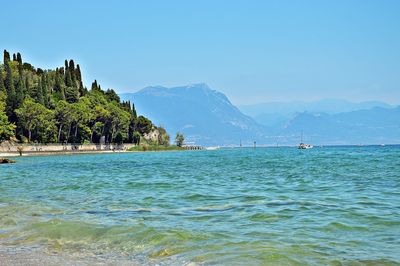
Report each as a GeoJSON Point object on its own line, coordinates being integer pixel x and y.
{"type": "Point", "coordinates": [269, 206]}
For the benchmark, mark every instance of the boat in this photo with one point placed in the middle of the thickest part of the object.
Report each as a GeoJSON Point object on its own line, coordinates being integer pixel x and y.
{"type": "Point", "coordinates": [212, 148]}
{"type": "Point", "coordinates": [303, 145]}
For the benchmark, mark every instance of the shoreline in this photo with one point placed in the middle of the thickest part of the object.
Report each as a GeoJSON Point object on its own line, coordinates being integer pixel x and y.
{"type": "Point", "coordinates": [39, 257]}
{"type": "Point", "coordinates": [54, 153]}
{"type": "Point", "coordinates": [44, 153]}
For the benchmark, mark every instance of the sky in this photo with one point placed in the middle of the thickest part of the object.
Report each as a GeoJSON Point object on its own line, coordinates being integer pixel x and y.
{"type": "Point", "coordinates": [253, 51]}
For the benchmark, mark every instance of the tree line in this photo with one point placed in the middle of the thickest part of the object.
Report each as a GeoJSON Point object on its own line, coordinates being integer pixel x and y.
{"type": "Point", "coordinates": [49, 106]}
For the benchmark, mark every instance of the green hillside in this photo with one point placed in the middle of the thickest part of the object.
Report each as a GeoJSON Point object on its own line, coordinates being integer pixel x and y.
{"type": "Point", "coordinates": [54, 106]}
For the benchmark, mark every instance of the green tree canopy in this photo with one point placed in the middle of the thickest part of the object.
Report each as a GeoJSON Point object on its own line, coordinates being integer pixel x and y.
{"type": "Point", "coordinates": [34, 116]}
{"type": "Point", "coordinates": [53, 105]}
{"type": "Point", "coordinates": [6, 128]}
{"type": "Point", "coordinates": [179, 139]}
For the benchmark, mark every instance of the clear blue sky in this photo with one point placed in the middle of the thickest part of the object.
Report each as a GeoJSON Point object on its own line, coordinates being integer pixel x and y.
{"type": "Point", "coordinates": [254, 51]}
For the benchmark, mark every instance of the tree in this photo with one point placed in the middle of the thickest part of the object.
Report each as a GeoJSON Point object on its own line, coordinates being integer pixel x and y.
{"type": "Point", "coordinates": [45, 90]}
{"type": "Point", "coordinates": [9, 85]}
{"type": "Point", "coordinates": [34, 116]}
{"type": "Point", "coordinates": [68, 78]}
{"type": "Point", "coordinates": [179, 139]}
{"type": "Point", "coordinates": [64, 117]}
{"type": "Point", "coordinates": [143, 125]}
{"type": "Point", "coordinates": [71, 70]}
{"type": "Point", "coordinates": [163, 137]}
{"type": "Point", "coordinates": [37, 93]}
{"type": "Point", "coordinates": [118, 122]}
{"type": "Point", "coordinates": [78, 74]}
{"type": "Point", "coordinates": [71, 94]}
{"type": "Point", "coordinates": [6, 57]}
{"type": "Point", "coordinates": [2, 88]}
{"type": "Point", "coordinates": [6, 128]}
{"type": "Point", "coordinates": [81, 115]}
{"type": "Point", "coordinates": [19, 58]}
{"type": "Point", "coordinates": [94, 86]}
{"type": "Point", "coordinates": [54, 105]}
{"type": "Point", "coordinates": [19, 92]}
{"type": "Point", "coordinates": [112, 95]}
{"type": "Point", "coordinates": [136, 138]}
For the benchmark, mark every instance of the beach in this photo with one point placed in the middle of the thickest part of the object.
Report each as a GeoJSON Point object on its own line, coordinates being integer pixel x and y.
{"type": "Point", "coordinates": [39, 258]}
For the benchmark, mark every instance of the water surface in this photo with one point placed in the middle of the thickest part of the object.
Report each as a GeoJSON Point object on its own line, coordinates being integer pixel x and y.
{"type": "Point", "coordinates": [269, 206]}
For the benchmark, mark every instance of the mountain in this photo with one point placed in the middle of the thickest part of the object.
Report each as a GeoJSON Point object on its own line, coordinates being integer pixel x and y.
{"type": "Point", "coordinates": [207, 117]}
{"type": "Point", "coordinates": [276, 113]}
{"type": "Point", "coordinates": [372, 126]}
{"type": "Point", "coordinates": [203, 115]}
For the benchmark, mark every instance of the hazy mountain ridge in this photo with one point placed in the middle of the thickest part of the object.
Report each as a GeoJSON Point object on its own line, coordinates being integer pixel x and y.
{"type": "Point", "coordinates": [204, 115]}
{"type": "Point", "coordinates": [330, 106]}
{"type": "Point", "coordinates": [279, 114]}
{"type": "Point", "coordinates": [371, 126]}
{"type": "Point", "coordinates": [207, 117]}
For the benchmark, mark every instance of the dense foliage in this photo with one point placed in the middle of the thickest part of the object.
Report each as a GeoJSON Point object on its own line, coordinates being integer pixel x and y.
{"type": "Point", "coordinates": [46, 106]}
{"type": "Point", "coordinates": [179, 139]}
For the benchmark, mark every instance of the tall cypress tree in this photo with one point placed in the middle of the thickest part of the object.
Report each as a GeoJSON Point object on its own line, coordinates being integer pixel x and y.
{"type": "Point", "coordinates": [78, 74]}
{"type": "Point", "coordinates": [9, 84]}
{"type": "Point", "coordinates": [20, 66]}
{"type": "Point", "coordinates": [6, 56]}
{"type": "Point", "coordinates": [27, 86]}
{"type": "Point", "coordinates": [19, 58]}
{"type": "Point", "coordinates": [57, 82]}
{"type": "Point", "coordinates": [38, 96]}
{"type": "Point", "coordinates": [72, 70]}
{"type": "Point", "coordinates": [68, 78]}
{"type": "Point", "coordinates": [94, 85]}
{"type": "Point", "coordinates": [45, 91]}
{"type": "Point", "coordinates": [2, 88]}
{"type": "Point", "coordinates": [14, 57]}
{"type": "Point", "coordinates": [19, 92]}
{"type": "Point", "coordinates": [134, 114]}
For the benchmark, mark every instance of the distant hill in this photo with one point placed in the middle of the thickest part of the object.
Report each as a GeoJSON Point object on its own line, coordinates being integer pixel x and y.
{"type": "Point", "coordinates": [372, 126]}
{"type": "Point", "coordinates": [274, 113]}
{"type": "Point", "coordinates": [205, 116]}
{"type": "Point", "coordinates": [277, 114]}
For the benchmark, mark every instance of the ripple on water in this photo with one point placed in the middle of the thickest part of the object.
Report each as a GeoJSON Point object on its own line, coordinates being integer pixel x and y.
{"type": "Point", "coordinates": [331, 206]}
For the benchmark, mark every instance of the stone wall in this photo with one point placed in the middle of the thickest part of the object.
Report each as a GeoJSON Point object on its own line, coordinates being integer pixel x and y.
{"type": "Point", "coordinates": [14, 147]}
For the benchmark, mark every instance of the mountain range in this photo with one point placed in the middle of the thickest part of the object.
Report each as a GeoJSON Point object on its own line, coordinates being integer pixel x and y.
{"type": "Point", "coordinates": [203, 115]}
{"type": "Point", "coordinates": [276, 114]}
{"type": "Point", "coordinates": [369, 126]}
{"type": "Point", "coordinates": [207, 117]}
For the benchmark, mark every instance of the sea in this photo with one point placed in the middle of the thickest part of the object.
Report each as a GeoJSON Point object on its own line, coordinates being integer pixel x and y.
{"type": "Point", "coordinates": [233, 206]}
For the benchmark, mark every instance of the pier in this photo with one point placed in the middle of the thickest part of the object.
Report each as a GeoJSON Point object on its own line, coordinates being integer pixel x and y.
{"type": "Point", "coordinates": [193, 147]}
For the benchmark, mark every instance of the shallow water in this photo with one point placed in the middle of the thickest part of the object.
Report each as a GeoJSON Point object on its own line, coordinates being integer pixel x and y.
{"type": "Point", "coordinates": [269, 206]}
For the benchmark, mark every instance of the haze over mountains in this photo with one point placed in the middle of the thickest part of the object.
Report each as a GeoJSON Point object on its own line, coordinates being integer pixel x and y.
{"type": "Point", "coordinates": [325, 106]}
{"type": "Point", "coordinates": [203, 115]}
{"type": "Point", "coordinates": [278, 113]}
{"type": "Point", "coordinates": [207, 117]}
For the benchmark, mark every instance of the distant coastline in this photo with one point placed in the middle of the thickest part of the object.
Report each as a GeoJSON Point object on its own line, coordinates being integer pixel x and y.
{"type": "Point", "coordinates": [158, 148]}
{"type": "Point", "coordinates": [8, 149]}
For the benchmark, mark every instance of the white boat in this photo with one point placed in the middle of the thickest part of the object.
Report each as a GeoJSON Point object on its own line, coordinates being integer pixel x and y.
{"type": "Point", "coordinates": [303, 145]}
{"type": "Point", "coordinates": [212, 148]}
